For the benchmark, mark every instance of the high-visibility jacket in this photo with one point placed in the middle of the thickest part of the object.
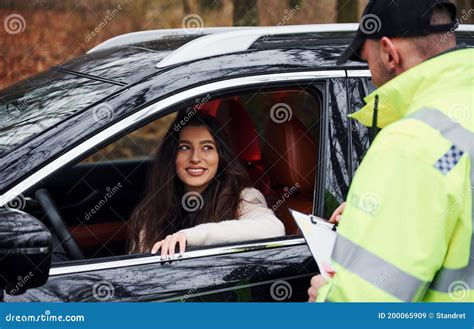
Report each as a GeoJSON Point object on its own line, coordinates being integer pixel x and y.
{"type": "Point", "coordinates": [406, 233]}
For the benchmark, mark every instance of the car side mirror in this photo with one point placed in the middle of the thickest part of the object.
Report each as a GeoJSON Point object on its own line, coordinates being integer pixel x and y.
{"type": "Point", "coordinates": [25, 251]}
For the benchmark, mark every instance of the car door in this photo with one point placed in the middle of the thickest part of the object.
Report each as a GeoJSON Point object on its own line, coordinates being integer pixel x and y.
{"type": "Point", "coordinates": [277, 269]}
{"type": "Point", "coordinates": [261, 271]}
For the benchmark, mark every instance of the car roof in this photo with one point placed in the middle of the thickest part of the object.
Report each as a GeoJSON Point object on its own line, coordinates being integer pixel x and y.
{"type": "Point", "coordinates": [133, 56]}
{"type": "Point", "coordinates": [210, 42]}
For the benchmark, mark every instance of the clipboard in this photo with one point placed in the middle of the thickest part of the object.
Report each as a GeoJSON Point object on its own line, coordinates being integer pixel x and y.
{"type": "Point", "coordinates": [320, 236]}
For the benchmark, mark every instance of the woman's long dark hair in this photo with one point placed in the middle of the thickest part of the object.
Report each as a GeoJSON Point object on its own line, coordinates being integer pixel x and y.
{"type": "Point", "coordinates": [162, 211]}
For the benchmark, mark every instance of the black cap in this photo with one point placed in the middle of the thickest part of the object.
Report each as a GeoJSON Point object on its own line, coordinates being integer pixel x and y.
{"type": "Point", "coordinates": [396, 19]}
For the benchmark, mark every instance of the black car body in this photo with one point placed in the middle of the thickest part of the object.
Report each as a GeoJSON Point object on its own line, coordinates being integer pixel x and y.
{"type": "Point", "coordinates": [55, 120]}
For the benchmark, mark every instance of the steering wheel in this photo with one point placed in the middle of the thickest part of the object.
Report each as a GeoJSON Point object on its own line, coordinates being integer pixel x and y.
{"type": "Point", "coordinates": [59, 226]}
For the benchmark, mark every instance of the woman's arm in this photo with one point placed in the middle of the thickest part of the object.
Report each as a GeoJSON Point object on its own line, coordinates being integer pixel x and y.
{"type": "Point", "coordinates": [256, 221]}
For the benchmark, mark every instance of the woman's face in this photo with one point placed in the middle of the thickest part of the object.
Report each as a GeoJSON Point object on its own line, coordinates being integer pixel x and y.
{"type": "Point", "coordinates": [197, 158]}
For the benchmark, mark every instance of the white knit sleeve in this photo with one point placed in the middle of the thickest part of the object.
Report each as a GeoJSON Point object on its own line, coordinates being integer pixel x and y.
{"type": "Point", "coordinates": [256, 221]}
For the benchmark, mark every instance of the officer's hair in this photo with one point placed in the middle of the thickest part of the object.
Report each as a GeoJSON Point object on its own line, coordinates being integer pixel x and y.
{"type": "Point", "coordinates": [432, 44]}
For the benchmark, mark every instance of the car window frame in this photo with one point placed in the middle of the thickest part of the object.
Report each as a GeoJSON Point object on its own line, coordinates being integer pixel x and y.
{"type": "Point", "coordinates": [152, 112]}
{"type": "Point", "coordinates": [366, 77]}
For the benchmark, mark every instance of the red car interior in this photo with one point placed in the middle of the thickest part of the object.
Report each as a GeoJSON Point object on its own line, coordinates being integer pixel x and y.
{"type": "Point", "coordinates": [283, 168]}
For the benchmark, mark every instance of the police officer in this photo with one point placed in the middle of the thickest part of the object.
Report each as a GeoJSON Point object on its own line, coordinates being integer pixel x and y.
{"type": "Point", "coordinates": [406, 233]}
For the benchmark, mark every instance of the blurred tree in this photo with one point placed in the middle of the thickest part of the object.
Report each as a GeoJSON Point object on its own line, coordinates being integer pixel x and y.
{"type": "Point", "coordinates": [207, 5]}
{"type": "Point", "coordinates": [362, 4]}
{"type": "Point", "coordinates": [316, 12]}
{"type": "Point", "coordinates": [347, 11]}
{"type": "Point", "coordinates": [294, 3]}
{"type": "Point", "coordinates": [186, 7]}
{"type": "Point", "coordinates": [465, 11]}
{"type": "Point", "coordinates": [271, 12]}
{"type": "Point", "coordinates": [189, 6]}
{"type": "Point", "coordinates": [245, 13]}
{"type": "Point", "coordinates": [137, 12]}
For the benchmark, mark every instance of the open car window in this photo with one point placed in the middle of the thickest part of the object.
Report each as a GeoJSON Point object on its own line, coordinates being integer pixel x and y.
{"type": "Point", "coordinates": [275, 135]}
{"type": "Point", "coordinates": [138, 145]}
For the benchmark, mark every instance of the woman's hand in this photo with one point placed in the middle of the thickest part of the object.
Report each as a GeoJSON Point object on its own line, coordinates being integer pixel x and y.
{"type": "Point", "coordinates": [336, 215]}
{"type": "Point", "coordinates": [168, 245]}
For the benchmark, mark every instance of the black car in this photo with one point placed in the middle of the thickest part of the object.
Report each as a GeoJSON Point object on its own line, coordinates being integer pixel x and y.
{"type": "Point", "coordinates": [76, 143]}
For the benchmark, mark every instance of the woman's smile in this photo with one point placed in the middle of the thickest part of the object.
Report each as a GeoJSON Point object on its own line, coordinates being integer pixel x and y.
{"type": "Point", "coordinates": [195, 171]}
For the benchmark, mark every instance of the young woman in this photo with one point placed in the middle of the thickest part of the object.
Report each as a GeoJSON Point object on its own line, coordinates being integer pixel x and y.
{"type": "Point", "coordinates": [198, 193]}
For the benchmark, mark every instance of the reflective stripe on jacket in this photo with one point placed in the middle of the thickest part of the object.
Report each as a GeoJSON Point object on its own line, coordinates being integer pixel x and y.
{"type": "Point", "coordinates": [407, 231]}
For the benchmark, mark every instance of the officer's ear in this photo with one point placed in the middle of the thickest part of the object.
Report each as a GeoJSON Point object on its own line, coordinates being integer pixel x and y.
{"type": "Point", "coordinates": [390, 56]}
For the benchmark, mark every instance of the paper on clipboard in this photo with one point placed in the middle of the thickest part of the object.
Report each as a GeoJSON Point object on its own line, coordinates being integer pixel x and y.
{"type": "Point", "coordinates": [320, 237]}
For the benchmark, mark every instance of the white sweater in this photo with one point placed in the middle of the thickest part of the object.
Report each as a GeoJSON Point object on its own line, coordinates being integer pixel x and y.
{"type": "Point", "coordinates": [256, 221]}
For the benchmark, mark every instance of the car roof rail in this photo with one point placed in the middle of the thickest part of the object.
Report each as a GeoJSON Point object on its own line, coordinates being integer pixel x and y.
{"type": "Point", "coordinates": [215, 41]}
{"type": "Point", "coordinates": [152, 35]}
{"type": "Point", "coordinates": [234, 41]}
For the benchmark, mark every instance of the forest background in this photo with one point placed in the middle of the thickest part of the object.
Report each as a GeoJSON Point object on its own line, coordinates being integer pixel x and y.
{"type": "Point", "coordinates": [38, 34]}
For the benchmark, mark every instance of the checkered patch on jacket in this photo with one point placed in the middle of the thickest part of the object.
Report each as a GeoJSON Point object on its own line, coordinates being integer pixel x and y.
{"type": "Point", "coordinates": [449, 160]}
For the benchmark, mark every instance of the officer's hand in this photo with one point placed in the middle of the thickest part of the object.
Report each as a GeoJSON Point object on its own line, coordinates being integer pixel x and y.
{"type": "Point", "coordinates": [336, 215]}
{"type": "Point", "coordinates": [316, 283]}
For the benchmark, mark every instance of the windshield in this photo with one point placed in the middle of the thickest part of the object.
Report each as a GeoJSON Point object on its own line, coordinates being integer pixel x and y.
{"type": "Point", "coordinates": [34, 105]}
